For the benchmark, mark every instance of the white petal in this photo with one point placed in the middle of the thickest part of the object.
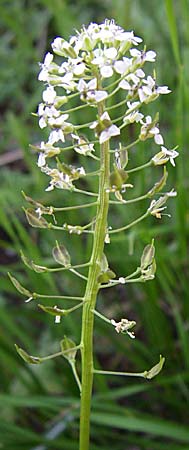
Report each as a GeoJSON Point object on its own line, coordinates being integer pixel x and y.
{"type": "Point", "coordinates": [79, 69]}
{"type": "Point", "coordinates": [150, 56]}
{"type": "Point", "coordinates": [40, 110]}
{"type": "Point", "coordinates": [106, 71]}
{"type": "Point", "coordinates": [105, 116]}
{"type": "Point", "coordinates": [163, 90]}
{"type": "Point", "coordinates": [49, 95]}
{"type": "Point", "coordinates": [48, 59]}
{"type": "Point", "coordinates": [148, 119]}
{"type": "Point", "coordinates": [92, 84]}
{"type": "Point", "coordinates": [43, 75]}
{"type": "Point", "coordinates": [104, 136]}
{"type": "Point", "coordinates": [158, 139]}
{"type": "Point", "coordinates": [140, 73]}
{"type": "Point", "coordinates": [142, 95]}
{"type": "Point", "coordinates": [81, 85]}
{"type": "Point", "coordinates": [134, 52]}
{"type": "Point", "coordinates": [113, 130]}
{"type": "Point", "coordinates": [42, 122]}
{"type": "Point", "coordinates": [41, 160]}
{"type": "Point", "coordinates": [100, 95]}
{"type": "Point", "coordinates": [110, 53]}
{"type": "Point", "coordinates": [124, 85]}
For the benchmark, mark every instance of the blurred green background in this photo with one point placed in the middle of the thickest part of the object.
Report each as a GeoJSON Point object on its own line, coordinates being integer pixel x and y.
{"type": "Point", "coordinates": [39, 404]}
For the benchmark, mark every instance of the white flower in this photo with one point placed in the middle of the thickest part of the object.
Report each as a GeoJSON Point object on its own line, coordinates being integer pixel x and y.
{"type": "Point", "coordinates": [171, 154]}
{"type": "Point", "coordinates": [55, 136]}
{"type": "Point", "coordinates": [122, 66]}
{"type": "Point", "coordinates": [106, 134]}
{"type": "Point", "coordinates": [88, 91]}
{"type": "Point", "coordinates": [134, 116]}
{"type": "Point", "coordinates": [41, 160]}
{"type": "Point", "coordinates": [124, 85]}
{"type": "Point", "coordinates": [163, 90]}
{"type": "Point", "coordinates": [149, 130]}
{"type": "Point", "coordinates": [49, 95]}
{"type": "Point", "coordinates": [149, 91]}
{"type": "Point", "coordinates": [124, 326]}
{"type": "Point", "coordinates": [46, 66]}
{"type": "Point", "coordinates": [83, 147]}
{"type": "Point", "coordinates": [143, 56]}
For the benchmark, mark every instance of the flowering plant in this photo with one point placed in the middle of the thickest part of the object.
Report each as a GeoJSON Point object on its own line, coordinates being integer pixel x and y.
{"type": "Point", "coordinates": [87, 72]}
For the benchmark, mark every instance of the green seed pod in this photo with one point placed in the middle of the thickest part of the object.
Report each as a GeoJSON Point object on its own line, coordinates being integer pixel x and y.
{"type": "Point", "coordinates": [19, 287]}
{"type": "Point", "coordinates": [117, 178]}
{"type": "Point", "coordinates": [68, 349]}
{"type": "Point", "coordinates": [26, 357]}
{"type": "Point", "coordinates": [34, 220]}
{"type": "Point", "coordinates": [61, 255]}
{"type": "Point", "coordinates": [149, 374]}
{"type": "Point", "coordinates": [147, 256]}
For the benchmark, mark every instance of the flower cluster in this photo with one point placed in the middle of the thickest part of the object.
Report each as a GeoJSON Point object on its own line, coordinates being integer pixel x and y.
{"type": "Point", "coordinates": [80, 68]}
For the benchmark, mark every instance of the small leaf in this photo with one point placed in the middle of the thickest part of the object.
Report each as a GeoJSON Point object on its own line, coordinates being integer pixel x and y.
{"type": "Point", "coordinates": [34, 220]}
{"type": "Point", "coordinates": [68, 346]}
{"type": "Point", "coordinates": [147, 256]}
{"type": "Point", "coordinates": [19, 287]}
{"type": "Point", "coordinates": [149, 374]}
{"type": "Point", "coordinates": [27, 358]}
{"type": "Point", "coordinates": [61, 255]}
{"type": "Point", "coordinates": [54, 310]}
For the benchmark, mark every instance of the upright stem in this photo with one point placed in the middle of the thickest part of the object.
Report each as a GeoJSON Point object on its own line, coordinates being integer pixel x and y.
{"type": "Point", "coordinates": [92, 288]}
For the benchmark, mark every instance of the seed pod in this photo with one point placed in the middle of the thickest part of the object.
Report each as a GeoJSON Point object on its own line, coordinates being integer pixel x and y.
{"type": "Point", "coordinates": [147, 256]}
{"type": "Point", "coordinates": [61, 255]}
{"type": "Point", "coordinates": [68, 349]}
{"type": "Point", "coordinates": [34, 220]}
{"type": "Point", "coordinates": [117, 178]}
{"type": "Point", "coordinates": [26, 357]}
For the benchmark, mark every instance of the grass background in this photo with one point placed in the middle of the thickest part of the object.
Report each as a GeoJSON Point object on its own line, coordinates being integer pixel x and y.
{"type": "Point", "coordinates": [39, 405]}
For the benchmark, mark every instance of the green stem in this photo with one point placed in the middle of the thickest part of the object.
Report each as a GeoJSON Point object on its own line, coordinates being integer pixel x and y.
{"type": "Point", "coordinates": [92, 288]}
{"type": "Point", "coordinates": [59, 297]}
{"type": "Point", "coordinates": [68, 208]}
{"type": "Point", "coordinates": [125, 374]}
{"type": "Point", "coordinates": [76, 375]}
{"type": "Point", "coordinates": [117, 230]}
{"type": "Point", "coordinates": [55, 355]}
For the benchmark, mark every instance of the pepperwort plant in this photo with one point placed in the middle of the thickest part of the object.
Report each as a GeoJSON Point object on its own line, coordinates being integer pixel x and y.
{"type": "Point", "coordinates": [85, 73]}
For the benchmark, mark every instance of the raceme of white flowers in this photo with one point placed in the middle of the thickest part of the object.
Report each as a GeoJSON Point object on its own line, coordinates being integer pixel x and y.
{"type": "Point", "coordinates": [92, 67]}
